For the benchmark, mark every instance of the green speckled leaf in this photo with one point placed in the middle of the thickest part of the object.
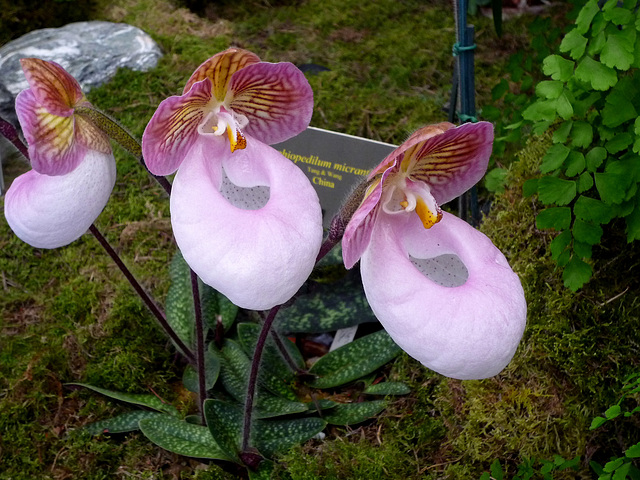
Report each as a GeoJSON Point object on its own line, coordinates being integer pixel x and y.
{"type": "Point", "coordinates": [179, 304]}
{"type": "Point", "coordinates": [326, 308]}
{"type": "Point", "coordinates": [182, 438]}
{"type": "Point", "coordinates": [275, 373]}
{"type": "Point", "coordinates": [352, 413]}
{"type": "Point", "coordinates": [388, 388]}
{"type": "Point", "coordinates": [143, 399]}
{"type": "Point", "coordinates": [234, 374]}
{"type": "Point", "coordinates": [271, 436]}
{"type": "Point", "coordinates": [212, 370]}
{"type": "Point", "coordinates": [354, 360]}
{"type": "Point", "coordinates": [125, 422]}
{"type": "Point", "coordinates": [225, 425]}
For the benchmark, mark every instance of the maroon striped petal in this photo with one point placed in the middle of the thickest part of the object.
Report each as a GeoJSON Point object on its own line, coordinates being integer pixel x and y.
{"type": "Point", "coordinates": [276, 99]}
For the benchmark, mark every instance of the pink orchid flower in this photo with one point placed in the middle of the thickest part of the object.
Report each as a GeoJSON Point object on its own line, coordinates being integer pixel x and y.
{"type": "Point", "coordinates": [245, 218]}
{"type": "Point", "coordinates": [74, 170]}
{"type": "Point", "coordinates": [440, 288]}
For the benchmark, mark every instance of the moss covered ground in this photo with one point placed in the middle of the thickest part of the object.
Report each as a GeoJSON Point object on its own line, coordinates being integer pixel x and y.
{"type": "Point", "coordinates": [68, 315]}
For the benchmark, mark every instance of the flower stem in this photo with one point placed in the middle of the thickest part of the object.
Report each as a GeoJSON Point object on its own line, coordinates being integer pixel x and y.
{"type": "Point", "coordinates": [200, 362]}
{"type": "Point", "coordinates": [143, 295]}
{"type": "Point", "coordinates": [253, 376]}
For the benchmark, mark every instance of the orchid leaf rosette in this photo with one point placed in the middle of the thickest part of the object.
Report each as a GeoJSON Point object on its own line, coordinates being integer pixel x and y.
{"type": "Point", "coordinates": [441, 289]}
{"type": "Point", "coordinates": [245, 218]}
{"type": "Point", "coordinates": [73, 168]}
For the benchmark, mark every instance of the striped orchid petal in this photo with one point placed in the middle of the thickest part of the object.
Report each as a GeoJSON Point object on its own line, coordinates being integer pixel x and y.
{"type": "Point", "coordinates": [174, 128]}
{"type": "Point", "coordinates": [58, 138]}
{"type": "Point", "coordinates": [276, 99]}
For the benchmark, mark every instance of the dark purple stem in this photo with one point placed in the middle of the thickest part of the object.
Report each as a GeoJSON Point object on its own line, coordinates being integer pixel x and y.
{"type": "Point", "coordinates": [143, 295]}
{"type": "Point", "coordinates": [202, 384]}
{"type": "Point", "coordinates": [253, 376]}
{"type": "Point", "coordinates": [326, 247]}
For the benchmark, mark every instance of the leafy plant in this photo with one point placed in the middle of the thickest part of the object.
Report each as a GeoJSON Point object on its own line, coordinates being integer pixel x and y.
{"type": "Point", "coordinates": [591, 173]}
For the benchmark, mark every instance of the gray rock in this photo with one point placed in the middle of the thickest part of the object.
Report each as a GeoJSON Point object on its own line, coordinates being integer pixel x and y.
{"type": "Point", "coordinates": [90, 51]}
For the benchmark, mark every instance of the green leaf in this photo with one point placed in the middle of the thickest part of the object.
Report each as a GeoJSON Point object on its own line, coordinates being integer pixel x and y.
{"type": "Point", "coordinates": [558, 218]}
{"type": "Point", "coordinates": [326, 308]}
{"type": "Point", "coordinates": [388, 388]}
{"type": "Point", "coordinates": [275, 373]}
{"type": "Point", "coordinates": [561, 134]}
{"type": "Point", "coordinates": [559, 244]}
{"type": "Point", "coordinates": [125, 422]}
{"type": "Point", "coordinates": [612, 412]}
{"type": "Point", "coordinates": [574, 43]}
{"type": "Point", "coordinates": [554, 158]}
{"type": "Point", "coordinates": [618, 109]}
{"type": "Point", "coordinates": [593, 210]}
{"type": "Point", "coordinates": [496, 470]}
{"type": "Point", "coordinates": [212, 370]}
{"type": "Point", "coordinates": [224, 422]}
{"type": "Point", "coordinates": [585, 182]}
{"type": "Point", "coordinates": [575, 164]}
{"type": "Point", "coordinates": [581, 134]}
{"type": "Point", "coordinates": [618, 16]}
{"type": "Point", "coordinates": [549, 89]}
{"type": "Point", "coordinates": [499, 90]}
{"type": "Point", "coordinates": [234, 374]}
{"type": "Point", "coordinates": [556, 190]}
{"type": "Point", "coordinates": [352, 413]}
{"type": "Point", "coordinates": [622, 471]}
{"type": "Point", "coordinates": [182, 438]}
{"type": "Point", "coordinates": [530, 187]}
{"type": "Point", "coordinates": [354, 360]}
{"type": "Point", "coordinates": [179, 303]}
{"type": "Point", "coordinates": [619, 143]}
{"type": "Point", "coordinates": [273, 436]}
{"type": "Point", "coordinates": [613, 465]}
{"type": "Point", "coordinates": [633, 224]}
{"type": "Point", "coordinates": [596, 44]}
{"type": "Point", "coordinates": [494, 180]}
{"type": "Point", "coordinates": [597, 422]}
{"type": "Point", "coordinates": [564, 107]}
{"type": "Point", "coordinates": [611, 187]}
{"type": "Point", "coordinates": [150, 401]}
{"type": "Point", "coordinates": [558, 68]}
{"type": "Point", "coordinates": [541, 110]}
{"type": "Point", "coordinates": [633, 451]}
{"type": "Point", "coordinates": [581, 249]}
{"type": "Point", "coordinates": [576, 273]}
{"type": "Point", "coordinates": [601, 77]}
{"type": "Point", "coordinates": [586, 232]}
{"type": "Point", "coordinates": [585, 17]}
{"type": "Point", "coordinates": [595, 157]}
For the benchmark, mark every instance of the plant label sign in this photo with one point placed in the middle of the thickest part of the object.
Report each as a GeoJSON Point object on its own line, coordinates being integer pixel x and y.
{"type": "Point", "coordinates": [334, 162]}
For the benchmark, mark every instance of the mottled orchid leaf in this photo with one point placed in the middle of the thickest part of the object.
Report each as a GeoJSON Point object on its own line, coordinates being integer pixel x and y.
{"type": "Point", "coordinates": [125, 422]}
{"type": "Point", "coordinates": [275, 372]}
{"type": "Point", "coordinates": [212, 370]}
{"type": "Point", "coordinates": [354, 360]}
{"type": "Point", "coordinates": [182, 438]}
{"type": "Point", "coordinates": [234, 374]}
{"type": "Point", "coordinates": [180, 308]}
{"type": "Point", "coordinates": [352, 413]}
{"type": "Point", "coordinates": [388, 388]}
{"type": "Point", "coordinates": [326, 308]}
{"type": "Point", "coordinates": [272, 436]}
{"type": "Point", "coordinates": [224, 421]}
{"type": "Point", "coordinates": [145, 400]}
